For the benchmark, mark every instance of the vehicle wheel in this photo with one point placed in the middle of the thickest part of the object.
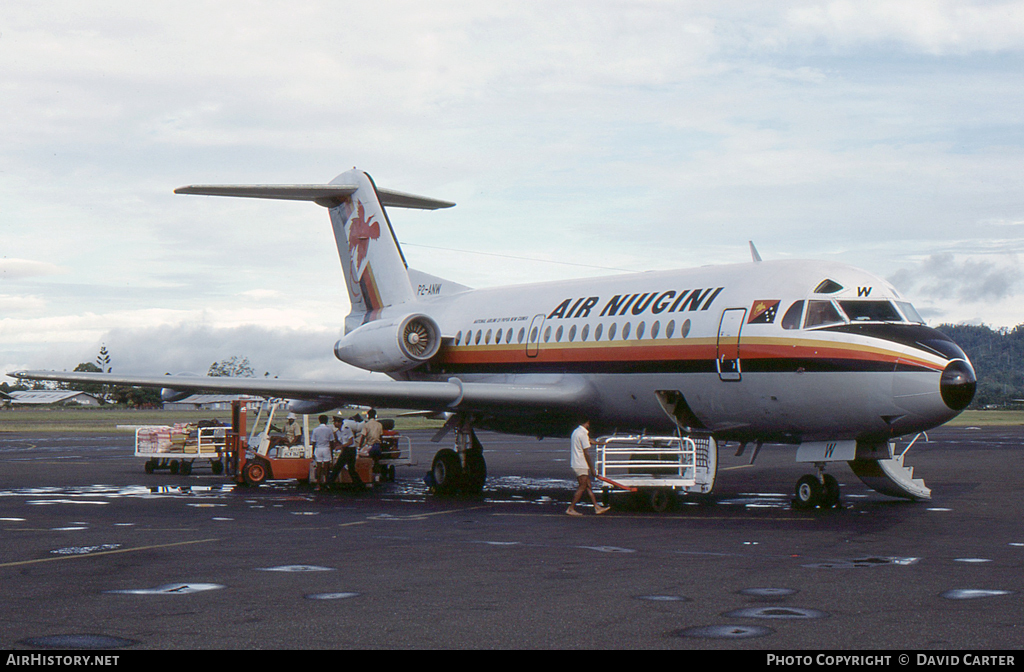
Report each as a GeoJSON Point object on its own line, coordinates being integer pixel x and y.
{"type": "Point", "coordinates": [476, 473]}
{"type": "Point", "coordinates": [809, 492]}
{"type": "Point", "coordinates": [217, 467]}
{"type": "Point", "coordinates": [447, 471]}
{"type": "Point", "coordinates": [830, 497]}
{"type": "Point", "coordinates": [150, 466]}
{"type": "Point", "coordinates": [254, 473]}
{"type": "Point", "coordinates": [174, 466]}
{"type": "Point", "coordinates": [186, 468]}
{"type": "Point", "coordinates": [661, 499]}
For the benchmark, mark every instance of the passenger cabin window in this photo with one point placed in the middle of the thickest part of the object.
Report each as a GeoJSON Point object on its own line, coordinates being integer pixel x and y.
{"type": "Point", "coordinates": [791, 320]}
{"type": "Point", "coordinates": [870, 311]}
{"type": "Point", "coordinates": [910, 312]}
{"type": "Point", "coordinates": [821, 313]}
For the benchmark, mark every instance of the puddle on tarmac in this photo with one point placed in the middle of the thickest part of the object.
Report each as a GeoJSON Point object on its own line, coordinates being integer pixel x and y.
{"type": "Point", "coordinates": [725, 632]}
{"type": "Point", "coordinates": [169, 589]}
{"type": "Point", "coordinates": [973, 593]}
{"type": "Point", "coordinates": [864, 562]}
{"type": "Point", "coordinates": [663, 598]}
{"type": "Point", "coordinates": [768, 592]}
{"type": "Point", "coordinates": [759, 500]}
{"type": "Point", "coordinates": [78, 642]}
{"type": "Point", "coordinates": [89, 494]}
{"type": "Point", "coordinates": [85, 550]}
{"type": "Point", "coordinates": [776, 612]}
{"type": "Point", "coordinates": [295, 568]}
{"type": "Point", "coordinates": [331, 596]}
{"type": "Point", "coordinates": [609, 549]}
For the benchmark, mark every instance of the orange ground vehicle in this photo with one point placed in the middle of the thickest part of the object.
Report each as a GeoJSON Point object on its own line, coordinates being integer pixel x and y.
{"type": "Point", "coordinates": [263, 453]}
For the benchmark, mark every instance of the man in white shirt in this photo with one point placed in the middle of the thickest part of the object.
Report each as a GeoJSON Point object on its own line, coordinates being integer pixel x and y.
{"type": "Point", "coordinates": [322, 437]}
{"type": "Point", "coordinates": [583, 466]}
{"type": "Point", "coordinates": [345, 438]}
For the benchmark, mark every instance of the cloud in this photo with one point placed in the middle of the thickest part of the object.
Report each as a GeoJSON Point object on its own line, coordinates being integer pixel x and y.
{"type": "Point", "coordinates": [11, 269]}
{"type": "Point", "coordinates": [942, 276]}
{"type": "Point", "coordinates": [929, 26]}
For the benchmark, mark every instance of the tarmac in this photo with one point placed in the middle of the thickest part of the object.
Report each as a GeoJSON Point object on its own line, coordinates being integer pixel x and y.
{"type": "Point", "coordinates": [97, 554]}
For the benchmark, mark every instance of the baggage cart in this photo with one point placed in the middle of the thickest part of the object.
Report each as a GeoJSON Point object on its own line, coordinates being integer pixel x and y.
{"type": "Point", "coordinates": [177, 447]}
{"type": "Point", "coordinates": [656, 468]}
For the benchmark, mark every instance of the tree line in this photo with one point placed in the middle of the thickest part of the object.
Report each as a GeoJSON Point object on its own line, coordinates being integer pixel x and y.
{"type": "Point", "coordinates": [998, 359]}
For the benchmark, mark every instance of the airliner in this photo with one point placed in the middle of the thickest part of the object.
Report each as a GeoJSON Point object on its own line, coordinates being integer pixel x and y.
{"type": "Point", "coordinates": [820, 355]}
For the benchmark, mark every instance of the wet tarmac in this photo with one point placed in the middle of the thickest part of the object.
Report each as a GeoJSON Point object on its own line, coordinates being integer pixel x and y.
{"type": "Point", "coordinates": [96, 553]}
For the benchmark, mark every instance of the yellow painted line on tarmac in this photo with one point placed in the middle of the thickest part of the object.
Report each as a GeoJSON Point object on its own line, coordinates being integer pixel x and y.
{"type": "Point", "coordinates": [742, 466]}
{"type": "Point", "coordinates": [93, 555]}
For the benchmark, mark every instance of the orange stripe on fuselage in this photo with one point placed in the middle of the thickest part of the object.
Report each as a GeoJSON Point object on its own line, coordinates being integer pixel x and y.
{"type": "Point", "coordinates": [682, 349]}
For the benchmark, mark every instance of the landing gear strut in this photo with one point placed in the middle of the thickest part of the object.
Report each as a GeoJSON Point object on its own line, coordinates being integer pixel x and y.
{"type": "Point", "coordinates": [817, 490]}
{"type": "Point", "coordinates": [462, 470]}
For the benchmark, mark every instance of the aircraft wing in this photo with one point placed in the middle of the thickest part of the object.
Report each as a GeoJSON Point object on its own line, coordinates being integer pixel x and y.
{"type": "Point", "coordinates": [567, 394]}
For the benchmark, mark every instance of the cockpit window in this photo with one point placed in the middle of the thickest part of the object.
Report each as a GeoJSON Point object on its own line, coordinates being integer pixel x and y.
{"type": "Point", "coordinates": [791, 320]}
{"type": "Point", "coordinates": [870, 311]}
{"type": "Point", "coordinates": [910, 312]}
{"type": "Point", "coordinates": [827, 286]}
{"type": "Point", "coordinates": [820, 313]}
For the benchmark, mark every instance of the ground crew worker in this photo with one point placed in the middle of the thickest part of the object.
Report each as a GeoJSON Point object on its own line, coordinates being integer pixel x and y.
{"type": "Point", "coordinates": [369, 438]}
{"type": "Point", "coordinates": [582, 464]}
{"type": "Point", "coordinates": [292, 430]}
{"type": "Point", "coordinates": [345, 438]}
{"type": "Point", "coordinates": [322, 437]}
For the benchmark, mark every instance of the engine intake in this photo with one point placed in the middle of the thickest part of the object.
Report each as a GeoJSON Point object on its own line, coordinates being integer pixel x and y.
{"type": "Point", "coordinates": [390, 345]}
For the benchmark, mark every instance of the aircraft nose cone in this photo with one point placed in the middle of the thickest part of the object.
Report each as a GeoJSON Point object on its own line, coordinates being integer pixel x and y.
{"type": "Point", "coordinates": [958, 384]}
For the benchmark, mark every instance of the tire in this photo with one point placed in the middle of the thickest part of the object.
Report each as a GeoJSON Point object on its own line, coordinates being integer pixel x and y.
{"type": "Point", "coordinates": [447, 472]}
{"type": "Point", "coordinates": [217, 467]}
{"type": "Point", "coordinates": [809, 492]}
{"type": "Point", "coordinates": [254, 473]}
{"type": "Point", "coordinates": [830, 497]}
{"type": "Point", "coordinates": [186, 468]}
{"type": "Point", "coordinates": [174, 466]}
{"type": "Point", "coordinates": [661, 499]}
{"type": "Point", "coordinates": [150, 466]}
{"type": "Point", "coordinates": [475, 474]}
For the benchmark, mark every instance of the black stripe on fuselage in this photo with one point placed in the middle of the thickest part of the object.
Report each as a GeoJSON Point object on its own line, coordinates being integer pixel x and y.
{"type": "Point", "coordinates": [917, 336]}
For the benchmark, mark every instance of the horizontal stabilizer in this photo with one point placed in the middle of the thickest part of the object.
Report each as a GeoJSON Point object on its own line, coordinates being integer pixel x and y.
{"type": "Point", "coordinates": [327, 195]}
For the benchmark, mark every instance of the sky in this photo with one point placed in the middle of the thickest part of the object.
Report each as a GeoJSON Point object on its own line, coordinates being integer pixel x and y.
{"type": "Point", "coordinates": [577, 139]}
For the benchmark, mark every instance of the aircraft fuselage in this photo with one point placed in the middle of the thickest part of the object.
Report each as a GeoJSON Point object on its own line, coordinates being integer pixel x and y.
{"type": "Point", "coordinates": [755, 352]}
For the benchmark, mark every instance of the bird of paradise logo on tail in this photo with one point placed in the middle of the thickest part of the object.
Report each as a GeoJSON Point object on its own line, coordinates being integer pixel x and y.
{"type": "Point", "coordinates": [361, 229]}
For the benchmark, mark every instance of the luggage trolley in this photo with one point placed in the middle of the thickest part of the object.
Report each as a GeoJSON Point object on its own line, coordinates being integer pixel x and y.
{"type": "Point", "coordinates": [655, 467]}
{"type": "Point", "coordinates": [176, 447]}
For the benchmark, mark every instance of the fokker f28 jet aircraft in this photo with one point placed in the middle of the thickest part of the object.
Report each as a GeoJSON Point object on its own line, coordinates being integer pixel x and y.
{"type": "Point", "coordinates": [821, 355]}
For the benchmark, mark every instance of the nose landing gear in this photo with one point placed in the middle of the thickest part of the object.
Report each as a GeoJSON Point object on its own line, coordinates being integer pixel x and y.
{"type": "Point", "coordinates": [819, 490]}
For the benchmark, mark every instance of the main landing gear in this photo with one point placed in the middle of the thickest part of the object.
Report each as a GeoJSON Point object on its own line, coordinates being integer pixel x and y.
{"type": "Point", "coordinates": [817, 490]}
{"type": "Point", "coordinates": [462, 470]}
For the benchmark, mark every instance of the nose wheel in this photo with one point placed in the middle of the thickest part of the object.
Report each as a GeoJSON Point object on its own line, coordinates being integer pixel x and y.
{"type": "Point", "coordinates": [817, 491]}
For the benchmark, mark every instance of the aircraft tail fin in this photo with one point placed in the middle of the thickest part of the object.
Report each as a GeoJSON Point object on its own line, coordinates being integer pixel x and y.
{"type": "Point", "coordinates": [375, 269]}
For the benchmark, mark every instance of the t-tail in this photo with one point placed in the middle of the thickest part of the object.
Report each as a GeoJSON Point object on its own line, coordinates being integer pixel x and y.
{"type": "Point", "coordinates": [376, 273]}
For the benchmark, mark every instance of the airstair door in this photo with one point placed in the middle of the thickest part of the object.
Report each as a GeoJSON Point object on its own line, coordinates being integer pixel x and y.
{"type": "Point", "coordinates": [728, 360]}
{"type": "Point", "coordinates": [533, 335]}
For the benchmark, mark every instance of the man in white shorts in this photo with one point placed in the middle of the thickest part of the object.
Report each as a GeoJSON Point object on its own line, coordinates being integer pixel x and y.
{"type": "Point", "coordinates": [322, 437]}
{"type": "Point", "coordinates": [583, 466]}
